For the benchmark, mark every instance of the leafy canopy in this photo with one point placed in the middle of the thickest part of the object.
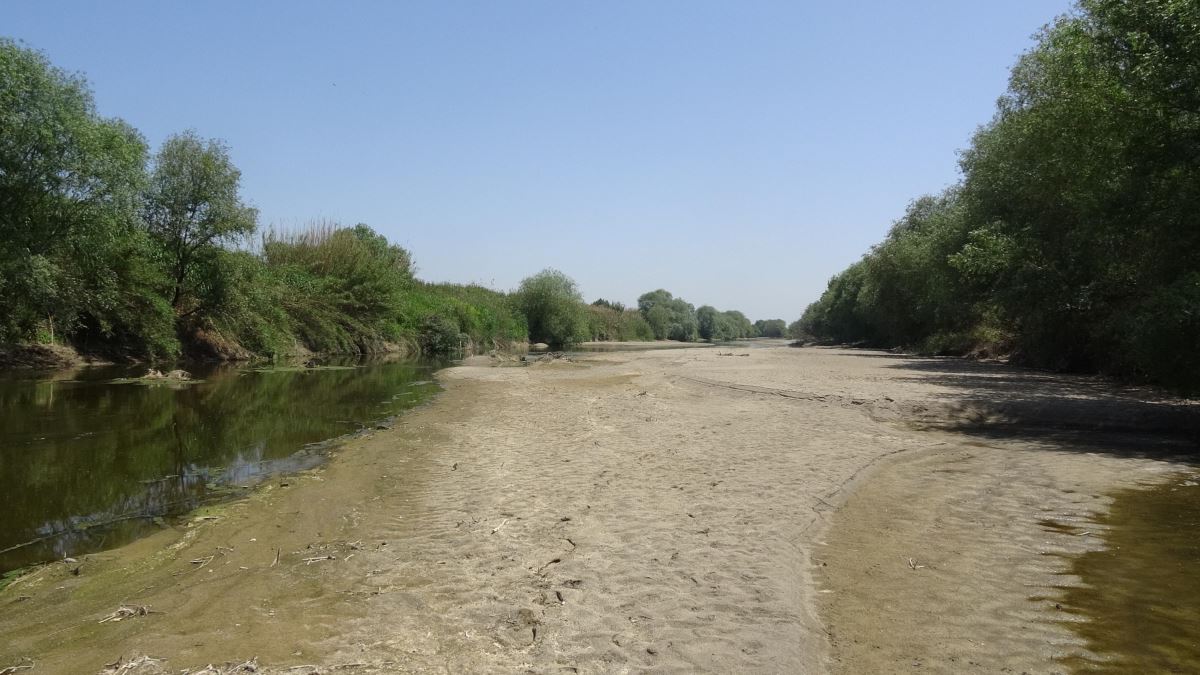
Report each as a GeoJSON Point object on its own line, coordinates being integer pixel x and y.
{"type": "Point", "coordinates": [553, 308]}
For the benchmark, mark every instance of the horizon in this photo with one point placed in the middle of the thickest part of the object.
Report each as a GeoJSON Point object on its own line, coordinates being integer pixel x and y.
{"type": "Point", "coordinates": [736, 157]}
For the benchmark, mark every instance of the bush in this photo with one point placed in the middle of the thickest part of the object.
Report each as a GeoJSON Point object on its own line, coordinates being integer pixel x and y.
{"type": "Point", "coordinates": [670, 318]}
{"type": "Point", "coordinates": [553, 308]}
{"type": "Point", "coordinates": [608, 323]}
{"type": "Point", "coordinates": [440, 335]}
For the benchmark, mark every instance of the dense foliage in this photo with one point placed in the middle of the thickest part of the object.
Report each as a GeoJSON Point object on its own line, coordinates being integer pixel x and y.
{"type": "Point", "coordinates": [770, 328]}
{"type": "Point", "coordinates": [612, 321]}
{"type": "Point", "coordinates": [1071, 241]}
{"type": "Point", "coordinates": [717, 326]}
{"type": "Point", "coordinates": [108, 248]}
{"type": "Point", "coordinates": [554, 309]}
{"type": "Point", "coordinates": [670, 318]}
{"type": "Point", "coordinates": [74, 258]}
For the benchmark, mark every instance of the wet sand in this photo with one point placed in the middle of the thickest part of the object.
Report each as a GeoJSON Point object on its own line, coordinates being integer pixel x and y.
{"type": "Point", "coordinates": [673, 511]}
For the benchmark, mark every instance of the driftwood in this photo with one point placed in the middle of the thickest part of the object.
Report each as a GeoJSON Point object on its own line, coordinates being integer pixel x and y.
{"type": "Point", "coordinates": [9, 670]}
{"type": "Point", "coordinates": [128, 612]}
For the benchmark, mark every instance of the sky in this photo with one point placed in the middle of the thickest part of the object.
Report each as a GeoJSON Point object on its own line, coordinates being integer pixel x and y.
{"type": "Point", "coordinates": [737, 154]}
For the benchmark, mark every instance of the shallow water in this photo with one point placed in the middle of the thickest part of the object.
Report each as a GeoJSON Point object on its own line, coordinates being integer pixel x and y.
{"type": "Point", "coordinates": [1139, 605]}
{"type": "Point", "coordinates": [90, 460]}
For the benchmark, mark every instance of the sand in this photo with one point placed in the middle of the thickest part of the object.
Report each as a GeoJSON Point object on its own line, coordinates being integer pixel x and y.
{"type": "Point", "coordinates": [739, 509]}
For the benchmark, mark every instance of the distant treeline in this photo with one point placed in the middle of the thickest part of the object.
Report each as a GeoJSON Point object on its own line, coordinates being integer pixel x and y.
{"type": "Point", "coordinates": [1073, 238]}
{"type": "Point", "coordinates": [556, 314]}
{"type": "Point", "coordinates": [109, 248]}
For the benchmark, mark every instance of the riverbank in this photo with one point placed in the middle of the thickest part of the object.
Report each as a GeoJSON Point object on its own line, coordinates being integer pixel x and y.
{"type": "Point", "coordinates": [666, 510]}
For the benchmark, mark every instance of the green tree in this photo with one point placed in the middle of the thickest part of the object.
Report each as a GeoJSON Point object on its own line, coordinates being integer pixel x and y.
{"type": "Point", "coordinates": [193, 208]}
{"type": "Point", "coordinates": [708, 323]}
{"type": "Point", "coordinates": [553, 308]}
{"type": "Point", "coordinates": [1072, 240]}
{"type": "Point", "coordinates": [669, 317]}
{"type": "Point", "coordinates": [771, 328]}
{"type": "Point", "coordinates": [72, 261]}
{"type": "Point", "coordinates": [617, 306]}
{"type": "Point", "coordinates": [737, 325]}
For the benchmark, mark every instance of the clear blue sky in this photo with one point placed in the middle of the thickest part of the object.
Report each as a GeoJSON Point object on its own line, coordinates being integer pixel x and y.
{"type": "Point", "coordinates": [735, 153]}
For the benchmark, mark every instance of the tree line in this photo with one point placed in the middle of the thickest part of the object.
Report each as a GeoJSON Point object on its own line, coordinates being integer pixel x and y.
{"type": "Point", "coordinates": [557, 315]}
{"type": "Point", "coordinates": [1071, 241]}
{"type": "Point", "coordinates": [109, 247]}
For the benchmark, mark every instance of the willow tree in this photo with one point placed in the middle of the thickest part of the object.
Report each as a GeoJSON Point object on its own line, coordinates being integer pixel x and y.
{"type": "Point", "coordinates": [193, 208]}
{"type": "Point", "coordinates": [553, 308]}
{"type": "Point", "coordinates": [73, 261]}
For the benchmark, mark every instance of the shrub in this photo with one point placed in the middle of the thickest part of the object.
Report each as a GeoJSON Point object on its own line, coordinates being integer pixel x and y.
{"type": "Point", "coordinates": [553, 308]}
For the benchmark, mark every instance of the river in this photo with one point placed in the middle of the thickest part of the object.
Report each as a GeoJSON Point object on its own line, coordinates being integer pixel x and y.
{"type": "Point", "coordinates": [95, 457]}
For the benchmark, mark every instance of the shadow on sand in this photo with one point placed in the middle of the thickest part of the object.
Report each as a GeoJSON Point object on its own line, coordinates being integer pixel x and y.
{"type": "Point", "coordinates": [1072, 412]}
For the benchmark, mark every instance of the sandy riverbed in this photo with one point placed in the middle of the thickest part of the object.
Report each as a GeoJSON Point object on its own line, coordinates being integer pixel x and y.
{"type": "Point", "coordinates": [675, 511]}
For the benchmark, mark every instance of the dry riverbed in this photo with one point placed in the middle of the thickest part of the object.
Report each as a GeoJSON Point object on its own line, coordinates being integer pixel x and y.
{"type": "Point", "coordinates": [721, 510]}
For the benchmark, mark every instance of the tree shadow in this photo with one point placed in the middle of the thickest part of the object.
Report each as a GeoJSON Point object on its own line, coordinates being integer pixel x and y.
{"type": "Point", "coordinates": [1074, 412]}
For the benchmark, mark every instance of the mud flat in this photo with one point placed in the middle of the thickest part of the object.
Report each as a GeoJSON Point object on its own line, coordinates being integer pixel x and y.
{"type": "Point", "coordinates": [667, 511]}
{"type": "Point", "coordinates": [992, 551]}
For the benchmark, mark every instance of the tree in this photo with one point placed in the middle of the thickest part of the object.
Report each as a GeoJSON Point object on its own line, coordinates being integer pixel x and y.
{"type": "Point", "coordinates": [737, 326]}
{"type": "Point", "coordinates": [669, 317]}
{"type": "Point", "coordinates": [193, 208]}
{"type": "Point", "coordinates": [1072, 239]}
{"type": "Point", "coordinates": [553, 308]}
{"type": "Point", "coordinates": [616, 306]}
{"type": "Point", "coordinates": [708, 323]}
{"type": "Point", "coordinates": [771, 328]}
{"type": "Point", "coordinates": [72, 260]}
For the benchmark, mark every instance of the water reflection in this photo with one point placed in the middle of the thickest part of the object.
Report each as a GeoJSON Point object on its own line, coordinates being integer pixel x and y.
{"type": "Point", "coordinates": [1139, 605]}
{"type": "Point", "coordinates": [89, 462]}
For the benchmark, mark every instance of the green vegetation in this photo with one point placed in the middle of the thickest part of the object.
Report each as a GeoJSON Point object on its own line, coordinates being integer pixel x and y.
{"type": "Point", "coordinates": [109, 249]}
{"type": "Point", "coordinates": [554, 308]}
{"type": "Point", "coordinates": [771, 328]}
{"type": "Point", "coordinates": [479, 316]}
{"type": "Point", "coordinates": [669, 317]}
{"type": "Point", "coordinates": [73, 256]}
{"type": "Point", "coordinates": [717, 326]}
{"type": "Point", "coordinates": [672, 318]}
{"type": "Point", "coordinates": [612, 321]}
{"type": "Point", "coordinates": [1071, 241]}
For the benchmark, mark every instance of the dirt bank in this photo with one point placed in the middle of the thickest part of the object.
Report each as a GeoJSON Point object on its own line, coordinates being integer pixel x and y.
{"type": "Point", "coordinates": [45, 357]}
{"type": "Point", "coordinates": [621, 512]}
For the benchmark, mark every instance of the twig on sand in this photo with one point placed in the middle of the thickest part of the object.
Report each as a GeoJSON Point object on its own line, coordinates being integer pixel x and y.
{"type": "Point", "coordinates": [276, 561]}
{"type": "Point", "coordinates": [250, 666]}
{"type": "Point", "coordinates": [314, 669]}
{"type": "Point", "coordinates": [497, 528]}
{"type": "Point", "coordinates": [128, 612]}
{"type": "Point", "coordinates": [17, 668]}
{"type": "Point", "coordinates": [121, 667]}
{"type": "Point", "coordinates": [320, 558]}
{"type": "Point", "coordinates": [912, 563]}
